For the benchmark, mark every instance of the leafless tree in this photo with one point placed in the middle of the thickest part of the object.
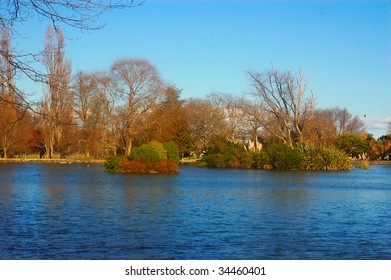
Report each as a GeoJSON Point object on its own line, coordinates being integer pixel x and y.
{"type": "Point", "coordinates": [139, 84]}
{"type": "Point", "coordinates": [110, 123]}
{"type": "Point", "coordinates": [204, 121]}
{"type": "Point", "coordinates": [283, 97]}
{"type": "Point", "coordinates": [90, 111]}
{"type": "Point", "coordinates": [79, 14]}
{"type": "Point", "coordinates": [345, 122]}
{"type": "Point", "coordinates": [234, 109]}
{"type": "Point", "coordinates": [56, 106]}
{"type": "Point", "coordinates": [321, 129]}
{"type": "Point", "coordinates": [255, 119]}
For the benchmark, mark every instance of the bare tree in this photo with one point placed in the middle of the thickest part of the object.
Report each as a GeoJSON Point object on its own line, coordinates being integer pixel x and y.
{"type": "Point", "coordinates": [283, 97]}
{"type": "Point", "coordinates": [139, 84]}
{"type": "Point", "coordinates": [345, 122]}
{"type": "Point", "coordinates": [79, 14]}
{"type": "Point", "coordinates": [56, 107]}
{"type": "Point", "coordinates": [204, 121]}
{"type": "Point", "coordinates": [321, 129]}
{"type": "Point", "coordinates": [255, 119]}
{"type": "Point", "coordinates": [90, 111]}
{"type": "Point", "coordinates": [110, 122]}
{"type": "Point", "coordinates": [234, 113]}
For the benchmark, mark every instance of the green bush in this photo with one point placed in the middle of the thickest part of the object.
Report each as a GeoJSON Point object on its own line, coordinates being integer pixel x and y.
{"type": "Point", "coordinates": [283, 157]}
{"type": "Point", "coordinates": [151, 152]}
{"type": "Point", "coordinates": [323, 157]}
{"type": "Point", "coordinates": [352, 144]}
{"type": "Point", "coordinates": [259, 160]}
{"type": "Point", "coordinates": [222, 153]}
{"type": "Point", "coordinates": [153, 157]}
{"type": "Point", "coordinates": [113, 163]}
{"type": "Point", "coordinates": [172, 152]}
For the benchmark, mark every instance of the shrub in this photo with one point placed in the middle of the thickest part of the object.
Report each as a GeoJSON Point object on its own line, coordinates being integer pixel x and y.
{"type": "Point", "coordinates": [112, 163]}
{"type": "Point", "coordinates": [283, 157]}
{"type": "Point", "coordinates": [153, 157]}
{"type": "Point", "coordinates": [152, 152]}
{"type": "Point", "coordinates": [323, 157]}
{"type": "Point", "coordinates": [222, 153]}
{"type": "Point", "coordinates": [364, 164]}
{"type": "Point", "coordinates": [259, 160]}
{"type": "Point", "coordinates": [162, 167]}
{"type": "Point", "coordinates": [172, 152]}
{"type": "Point", "coordinates": [352, 144]}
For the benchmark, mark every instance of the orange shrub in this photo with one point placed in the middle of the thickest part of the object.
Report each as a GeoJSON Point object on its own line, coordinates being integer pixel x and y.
{"type": "Point", "coordinates": [134, 166]}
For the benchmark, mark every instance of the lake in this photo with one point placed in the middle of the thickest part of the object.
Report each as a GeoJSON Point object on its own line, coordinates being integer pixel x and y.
{"type": "Point", "coordinates": [76, 211]}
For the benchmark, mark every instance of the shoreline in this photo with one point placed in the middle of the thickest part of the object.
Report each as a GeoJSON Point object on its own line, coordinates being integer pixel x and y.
{"type": "Point", "coordinates": [59, 161]}
{"type": "Point", "coordinates": [374, 162]}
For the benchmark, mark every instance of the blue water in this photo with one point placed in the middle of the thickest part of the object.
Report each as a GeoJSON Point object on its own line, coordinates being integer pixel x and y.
{"type": "Point", "coordinates": [54, 211]}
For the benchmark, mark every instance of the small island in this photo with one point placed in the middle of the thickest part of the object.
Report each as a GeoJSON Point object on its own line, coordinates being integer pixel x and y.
{"type": "Point", "coordinates": [150, 158]}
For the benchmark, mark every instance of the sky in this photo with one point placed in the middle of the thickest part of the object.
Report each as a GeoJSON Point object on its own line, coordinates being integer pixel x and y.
{"type": "Point", "coordinates": [207, 46]}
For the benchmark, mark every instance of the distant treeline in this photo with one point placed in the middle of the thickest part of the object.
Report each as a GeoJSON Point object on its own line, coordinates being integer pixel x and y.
{"type": "Point", "coordinates": [116, 112]}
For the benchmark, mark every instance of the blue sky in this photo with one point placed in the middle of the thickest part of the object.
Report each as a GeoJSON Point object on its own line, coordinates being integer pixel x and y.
{"type": "Point", "coordinates": [207, 46]}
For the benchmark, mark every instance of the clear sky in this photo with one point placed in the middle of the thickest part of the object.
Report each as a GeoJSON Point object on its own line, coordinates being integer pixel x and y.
{"type": "Point", "coordinates": [207, 46]}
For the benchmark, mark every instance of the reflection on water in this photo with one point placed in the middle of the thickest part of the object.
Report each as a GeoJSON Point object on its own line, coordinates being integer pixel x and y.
{"type": "Point", "coordinates": [53, 211]}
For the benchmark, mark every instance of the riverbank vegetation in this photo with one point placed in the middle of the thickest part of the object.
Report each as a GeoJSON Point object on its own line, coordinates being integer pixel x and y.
{"type": "Point", "coordinates": [125, 113]}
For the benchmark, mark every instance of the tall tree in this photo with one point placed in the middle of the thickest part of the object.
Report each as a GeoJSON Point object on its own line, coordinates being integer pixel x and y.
{"type": "Point", "coordinates": [10, 113]}
{"type": "Point", "coordinates": [321, 129]}
{"type": "Point", "coordinates": [90, 111]}
{"type": "Point", "coordinates": [168, 121]}
{"type": "Point", "coordinates": [283, 97]}
{"type": "Point", "coordinates": [346, 122]}
{"type": "Point", "coordinates": [139, 84]}
{"type": "Point", "coordinates": [57, 104]}
{"type": "Point", "coordinates": [234, 113]}
{"type": "Point", "coordinates": [78, 14]}
{"type": "Point", "coordinates": [205, 121]}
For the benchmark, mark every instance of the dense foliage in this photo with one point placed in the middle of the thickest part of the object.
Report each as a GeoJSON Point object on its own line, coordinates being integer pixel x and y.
{"type": "Point", "coordinates": [222, 153]}
{"type": "Point", "coordinates": [153, 157]}
{"type": "Point", "coordinates": [352, 144]}
{"type": "Point", "coordinates": [283, 157]}
{"type": "Point", "coordinates": [314, 157]}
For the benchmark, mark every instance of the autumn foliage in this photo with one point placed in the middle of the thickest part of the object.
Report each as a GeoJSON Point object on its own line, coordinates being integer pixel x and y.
{"type": "Point", "coordinates": [148, 158]}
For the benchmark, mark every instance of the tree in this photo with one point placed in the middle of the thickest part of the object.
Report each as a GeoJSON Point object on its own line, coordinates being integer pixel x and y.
{"type": "Point", "coordinates": [282, 95]}
{"type": "Point", "coordinates": [204, 121]}
{"type": "Point", "coordinates": [254, 119]}
{"type": "Point", "coordinates": [110, 122]}
{"type": "Point", "coordinates": [167, 122]}
{"type": "Point", "coordinates": [12, 128]}
{"type": "Point", "coordinates": [234, 110]}
{"type": "Point", "coordinates": [321, 129]}
{"type": "Point", "coordinates": [56, 107]}
{"type": "Point", "coordinates": [89, 108]}
{"type": "Point", "coordinates": [352, 144]}
{"type": "Point", "coordinates": [139, 84]}
{"type": "Point", "coordinates": [345, 122]}
{"type": "Point", "coordinates": [79, 14]}
{"type": "Point", "coordinates": [385, 146]}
